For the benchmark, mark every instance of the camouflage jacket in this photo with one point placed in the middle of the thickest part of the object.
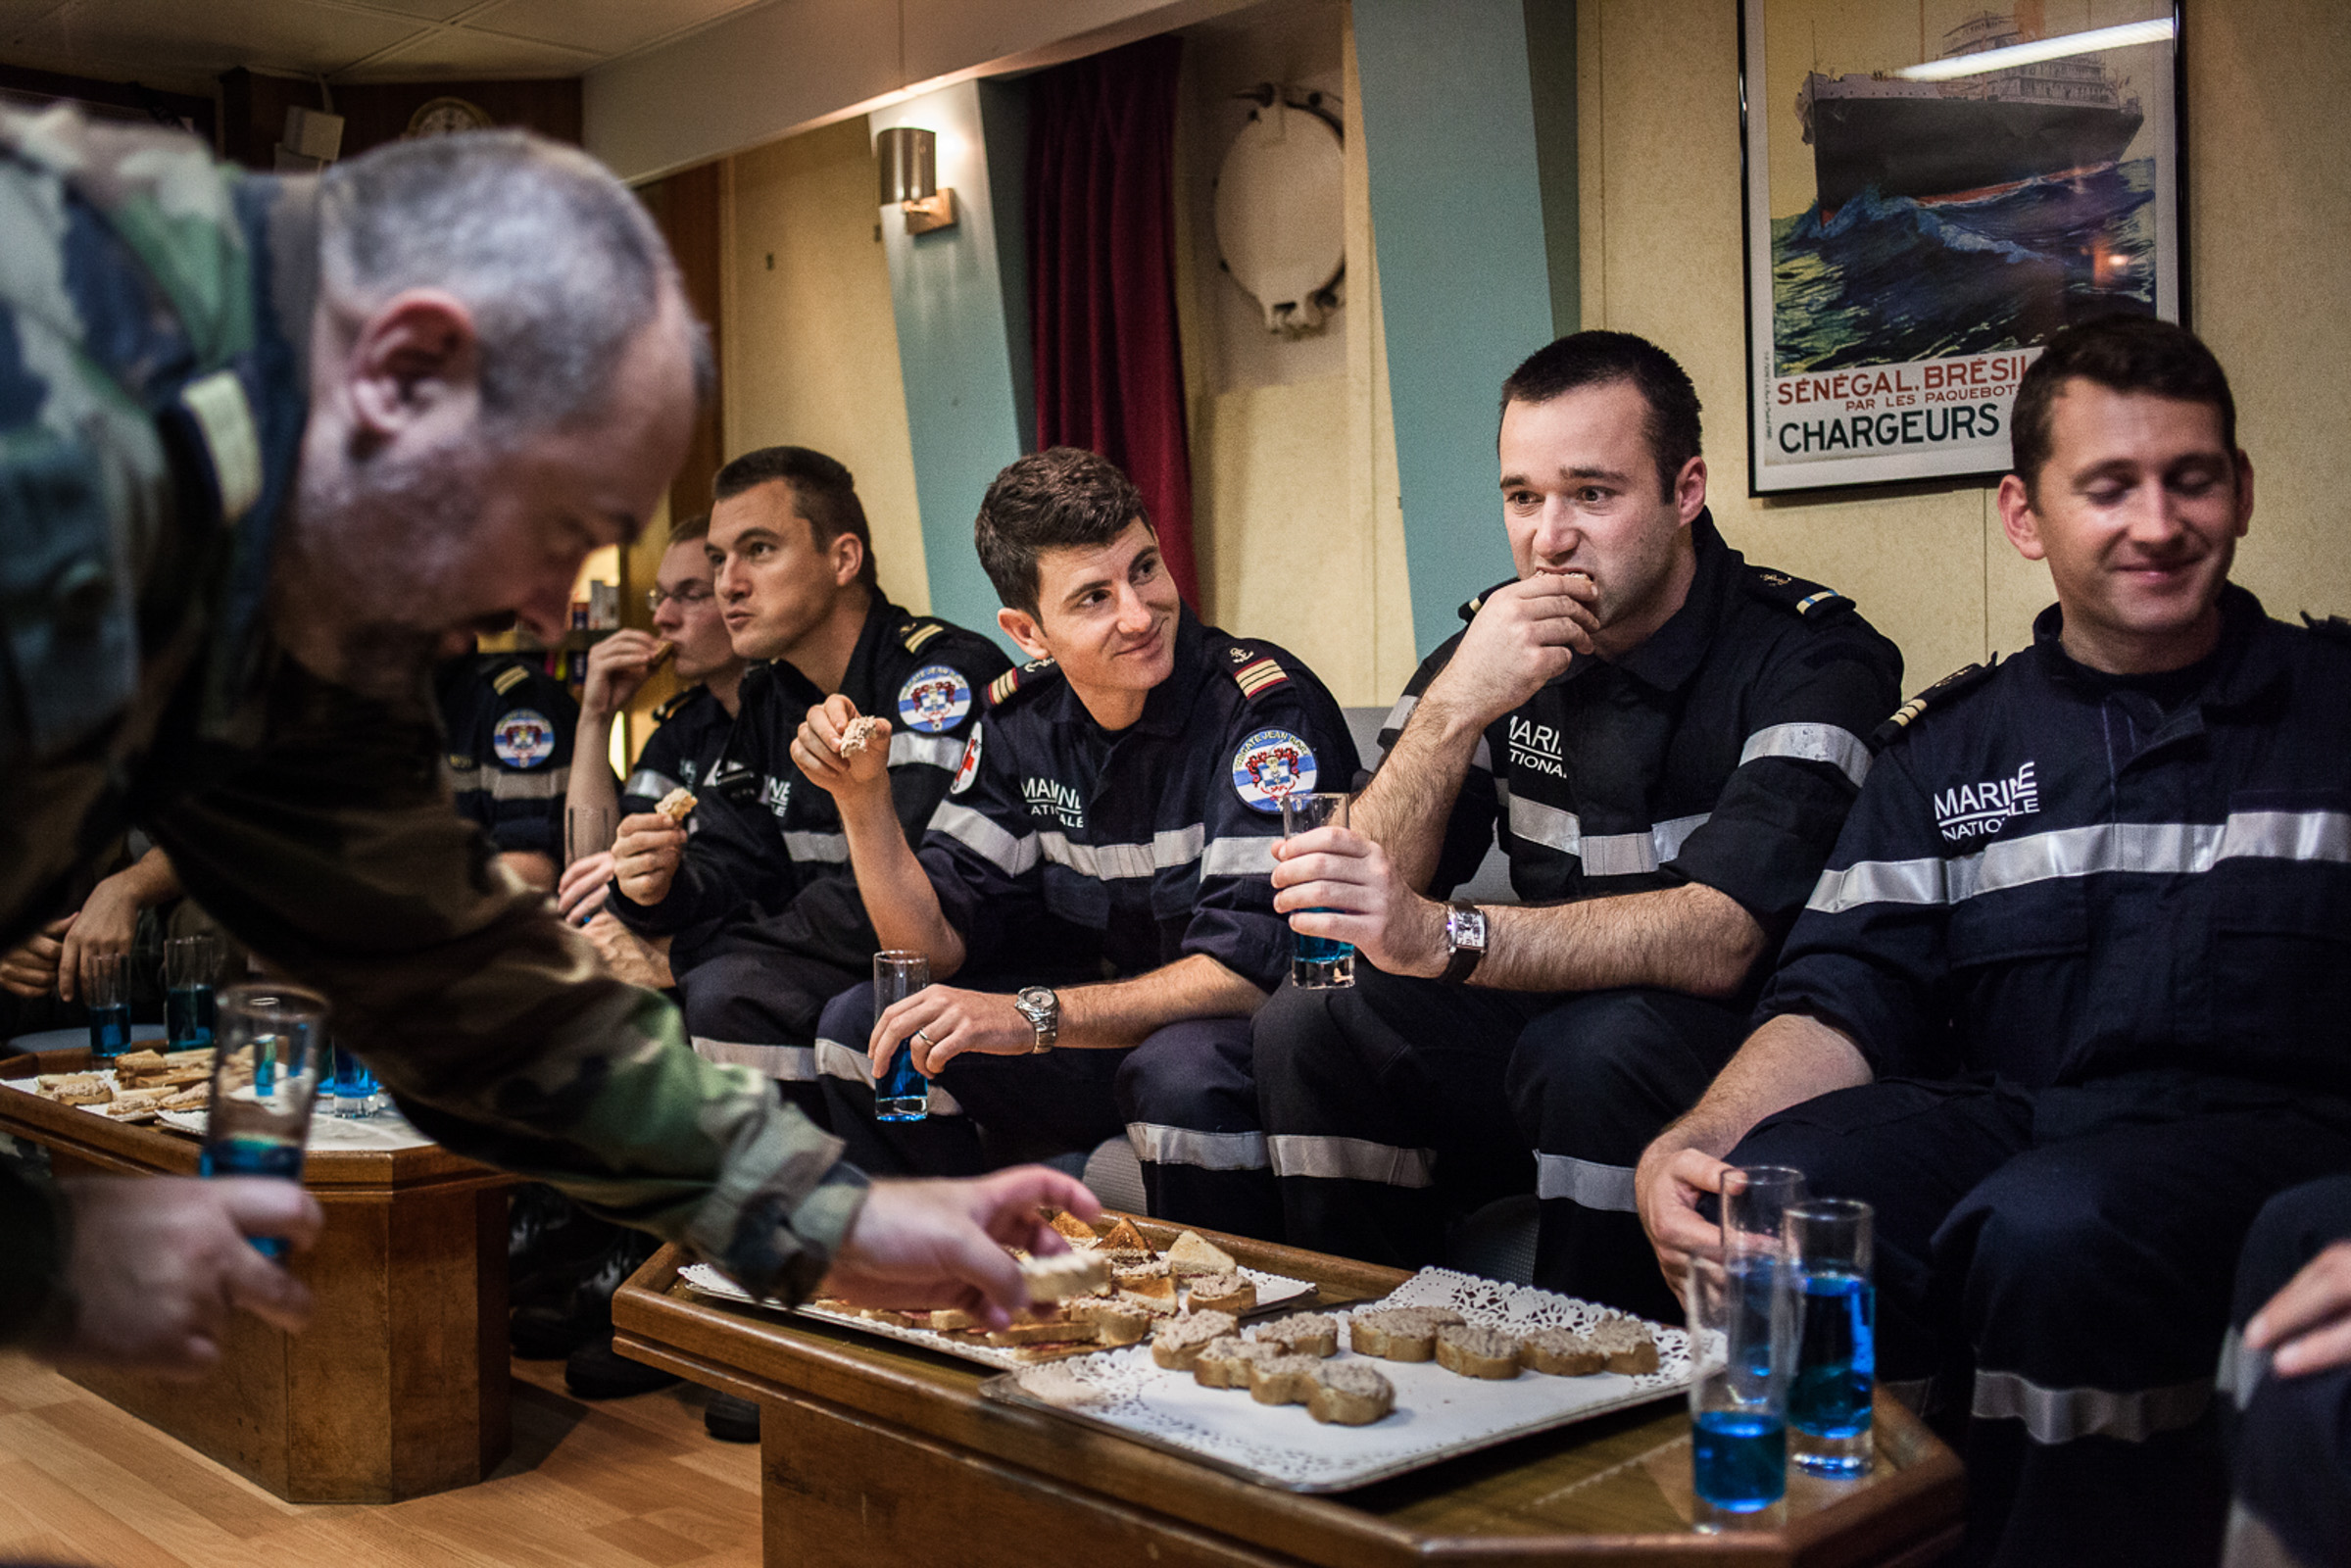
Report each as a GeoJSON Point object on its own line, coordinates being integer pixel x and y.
{"type": "Point", "coordinates": [154, 321]}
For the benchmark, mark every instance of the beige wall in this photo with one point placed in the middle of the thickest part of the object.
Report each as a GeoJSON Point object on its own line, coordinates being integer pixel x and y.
{"type": "Point", "coordinates": [810, 341]}
{"type": "Point", "coordinates": [2269, 219]}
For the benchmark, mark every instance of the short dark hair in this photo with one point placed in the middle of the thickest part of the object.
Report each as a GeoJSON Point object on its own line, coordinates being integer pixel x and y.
{"type": "Point", "coordinates": [822, 492]}
{"type": "Point", "coordinates": [695, 527]}
{"type": "Point", "coordinates": [2123, 353]}
{"type": "Point", "coordinates": [1058, 499]}
{"type": "Point", "coordinates": [1600, 358]}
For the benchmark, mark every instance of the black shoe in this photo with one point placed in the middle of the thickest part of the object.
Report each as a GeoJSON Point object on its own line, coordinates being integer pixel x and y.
{"type": "Point", "coordinates": [551, 1244]}
{"type": "Point", "coordinates": [597, 1371]}
{"type": "Point", "coordinates": [550, 1332]}
{"type": "Point", "coordinates": [731, 1419]}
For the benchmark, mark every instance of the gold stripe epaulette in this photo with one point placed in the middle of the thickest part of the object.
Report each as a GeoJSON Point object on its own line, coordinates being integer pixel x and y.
{"type": "Point", "coordinates": [509, 678]}
{"type": "Point", "coordinates": [1003, 686]}
{"type": "Point", "coordinates": [1260, 675]}
{"type": "Point", "coordinates": [921, 632]}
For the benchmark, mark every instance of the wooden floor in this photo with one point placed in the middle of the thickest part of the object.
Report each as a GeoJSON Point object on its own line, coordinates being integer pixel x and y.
{"type": "Point", "coordinates": [615, 1484]}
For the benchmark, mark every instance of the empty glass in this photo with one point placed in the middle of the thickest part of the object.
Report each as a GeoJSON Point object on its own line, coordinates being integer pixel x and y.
{"type": "Point", "coordinates": [587, 830]}
{"type": "Point", "coordinates": [1318, 963]}
{"type": "Point", "coordinates": [1828, 1241]}
{"type": "Point", "coordinates": [106, 991]}
{"type": "Point", "coordinates": [191, 969]}
{"type": "Point", "coordinates": [899, 1094]}
{"type": "Point", "coordinates": [1755, 1199]}
{"type": "Point", "coordinates": [271, 1057]}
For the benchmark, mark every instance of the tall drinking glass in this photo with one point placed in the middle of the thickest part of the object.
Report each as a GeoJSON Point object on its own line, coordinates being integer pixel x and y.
{"type": "Point", "coordinates": [1836, 1361]}
{"type": "Point", "coordinates": [106, 991]}
{"type": "Point", "coordinates": [191, 969]}
{"type": "Point", "coordinates": [1741, 1350]}
{"type": "Point", "coordinates": [271, 1057]}
{"type": "Point", "coordinates": [587, 830]}
{"type": "Point", "coordinates": [900, 1094]}
{"type": "Point", "coordinates": [1755, 1201]}
{"type": "Point", "coordinates": [1318, 963]}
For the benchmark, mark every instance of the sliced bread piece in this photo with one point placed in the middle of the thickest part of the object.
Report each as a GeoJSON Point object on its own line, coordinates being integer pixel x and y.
{"type": "Point", "coordinates": [1177, 1342]}
{"type": "Point", "coordinates": [1477, 1353]}
{"type": "Point", "coordinates": [1221, 1293]}
{"type": "Point", "coordinates": [1562, 1354]}
{"type": "Point", "coordinates": [1306, 1334]}
{"type": "Point", "coordinates": [1348, 1393]}
{"type": "Point", "coordinates": [1193, 1253]}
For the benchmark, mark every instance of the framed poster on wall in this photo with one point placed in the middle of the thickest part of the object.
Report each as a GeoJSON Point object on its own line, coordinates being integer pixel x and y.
{"type": "Point", "coordinates": [1933, 188]}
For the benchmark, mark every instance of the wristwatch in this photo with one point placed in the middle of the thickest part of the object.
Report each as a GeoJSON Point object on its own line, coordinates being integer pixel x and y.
{"type": "Point", "coordinates": [1464, 940]}
{"type": "Point", "coordinates": [1043, 1010]}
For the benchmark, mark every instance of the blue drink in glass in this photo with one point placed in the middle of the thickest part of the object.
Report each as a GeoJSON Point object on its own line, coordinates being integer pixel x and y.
{"type": "Point", "coordinates": [899, 1094]}
{"type": "Point", "coordinates": [1837, 1356]}
{"type": "Point", "coordinates": [188, 1018]}
{"type": "Point", "coordinates": [110, 1031]}
{"type": "Point", "coordinates": [254, 1156]}
{"type": "Point", "coordinates": [1738, 1459]}
{"type": "Point", "coordinates": [352, 1087]}
{"type": "Point", "coordinates": [1318, 963]}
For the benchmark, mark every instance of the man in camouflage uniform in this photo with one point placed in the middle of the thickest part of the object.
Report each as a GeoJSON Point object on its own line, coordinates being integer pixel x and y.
{"type": "Point", "coordinates": [265, 447]}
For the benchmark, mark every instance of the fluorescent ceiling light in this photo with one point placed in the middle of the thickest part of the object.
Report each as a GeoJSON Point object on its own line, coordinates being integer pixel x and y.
{"type": "Point", "coordinates": [2040, 49]}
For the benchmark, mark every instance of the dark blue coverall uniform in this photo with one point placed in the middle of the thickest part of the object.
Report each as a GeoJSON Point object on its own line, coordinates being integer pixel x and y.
{"type": "Point", "coordinates": [1724, 751]}
{"type": "Point", "coordinates": [1067, 853]}
{"type": "Point", "coordinates": [766, 917]}
{"type": "Point", "coordinates": [682, 752]}
{"type": "Point", "coordinates": [510, 728]}
{"type": "Point", "coordinates": [2091, 934]}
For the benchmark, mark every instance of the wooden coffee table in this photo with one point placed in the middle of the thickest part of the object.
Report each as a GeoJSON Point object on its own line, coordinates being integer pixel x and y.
{"type": "Point", "coordinates": [875, 1452]}
{"type": "Point", "coordinates": [399, 1386]}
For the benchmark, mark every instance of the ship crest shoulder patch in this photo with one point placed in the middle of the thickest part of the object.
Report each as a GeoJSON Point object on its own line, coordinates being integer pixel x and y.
{"type": "Point", "coordinates": [1272, 763]}
{"type": "Point", "coordinates": [524, 738]}
{"type": "Point", "coordinates": [935, 698]}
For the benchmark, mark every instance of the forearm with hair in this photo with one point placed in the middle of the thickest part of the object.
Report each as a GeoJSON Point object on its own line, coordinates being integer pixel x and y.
{"type": "Point", "coordinates": [899, 896]}
{"type": "Point", "coordinates": [150, 879]}
{"type": "Point", "coordinates": [1404, 808]}
{"type": "Point", "coordinates": [1791, 1058]}
{"type": "Point", "coordinates": [1690, 938]}
{"type": "Point", "coordinates": [1125, 1013]}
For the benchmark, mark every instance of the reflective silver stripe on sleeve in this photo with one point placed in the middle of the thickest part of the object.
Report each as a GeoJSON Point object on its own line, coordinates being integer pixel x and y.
{"type": "Point", "coordinates": [939, 751]}
{"type": "Point", "coordinates": [1168, 849]}
{"type": "Point", "coordinates": [2060, 1415]}
{"type": "Point", "coordinates": [2241, 1370]}
{"type": "Point", "coordinates": [1482, 759]}
{"type": "Point", "coordinates": [1602, 854]}
{"type": "Point", "coordinates": [1248, 857]}
{"type": "Point", "coordinates": [1350, 1158]}
{"type": "Point", "coordinates": [837, 1060]}
{"type": "Point", "coordinates": [821, 848]}
{"type": "Point", "coordinates": [1878, 882]}
{"type": "Point", "coordinates": [792, 1064]}
{"type": "Point", "coordinates": [1011, 856]}
{"type": "Point", "coordinates": [545, 786]}
{"type": "Point", "coordinates": [651, 783]}
{"type": "Point", "coordinates": [1841, 749]}
{"type": "Point", "coordinates": [2150, 849]}
{"type": "Point", "coordinates": [1399, 715]}
{"type": "Point", "coordinates": [2250, 1543]}
{"type": "Point", "coordinates": [1158, 1145]}
{"type": "Point", "coordinates": [1585, 1183]}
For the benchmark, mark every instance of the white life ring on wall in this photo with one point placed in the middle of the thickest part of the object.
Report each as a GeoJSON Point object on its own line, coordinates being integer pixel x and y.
{"type": "Point", "coordinates": [1281, 212]}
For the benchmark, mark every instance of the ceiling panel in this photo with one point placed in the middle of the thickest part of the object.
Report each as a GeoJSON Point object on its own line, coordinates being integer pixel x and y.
{"type": "Point", "coordinates": [603, 27]}
{"type": "Point", "coordinates": [460, 53]}
{"type": "Point", "coordinates": [212, 36]}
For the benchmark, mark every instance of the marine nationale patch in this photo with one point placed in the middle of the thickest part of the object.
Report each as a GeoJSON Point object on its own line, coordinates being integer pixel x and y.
{"type": "Point", "coordinates": [1272, 763]}
{"type": "Point", "coordinates": [524, 738]}
{"type": "Point", "coordinates": [933, 698]}
{"type": "Point", "coordinates": [969, 768]}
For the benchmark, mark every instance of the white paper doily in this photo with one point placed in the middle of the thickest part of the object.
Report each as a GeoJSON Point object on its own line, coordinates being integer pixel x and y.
{"type": "Point", "coordinates": [1273, 1290]}
{"type": "Point", "coordinates": [1438, 1413]}
{"type": "Point", "coordinates": [387, 1129]}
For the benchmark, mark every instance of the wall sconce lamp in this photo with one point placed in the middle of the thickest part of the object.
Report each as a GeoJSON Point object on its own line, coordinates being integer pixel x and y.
{"type": "Point", "coordinates": [908, 158]}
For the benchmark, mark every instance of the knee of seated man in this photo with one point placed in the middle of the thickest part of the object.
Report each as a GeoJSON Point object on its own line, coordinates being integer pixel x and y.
{"type": "Point", "coordinates": [2044, 1216]}
{"type": "Point", "coordinates": [848, 1017]}
{"type": "Point", "coordinates": [2293, 1228]}
{"type": "Point", "coordinates": [1591, 1044]}
{"type": "Point", "coordinates": [714, 998]}
{"type": "Point", "coordinates": [1188, 1071]}
{"type": "Point", "coordinates": [1292, 1033]}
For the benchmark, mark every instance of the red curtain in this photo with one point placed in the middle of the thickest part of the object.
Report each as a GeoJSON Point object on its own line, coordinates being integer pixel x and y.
{"type": "Point", "coordinates": [1102, 276]}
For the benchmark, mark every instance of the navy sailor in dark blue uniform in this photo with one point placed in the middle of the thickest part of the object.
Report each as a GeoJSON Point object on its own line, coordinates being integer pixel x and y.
{"type": "Point", "coordinates": [2073, 999]}
{"type": "Point", "coordinates": [510, 727]}
{"type": "Point", "coordinates": [1096, 879]}
{"type": "Point", "coordinates": [765, 918]}
{"type": "Point", "coordinates": [1666, 740]}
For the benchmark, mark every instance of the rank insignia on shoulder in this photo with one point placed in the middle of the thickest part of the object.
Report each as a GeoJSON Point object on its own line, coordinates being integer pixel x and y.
{"type": "Point", "coordinates": [1000, 689]}
{"type": "Point", "coordinates": [1808, 601]}
{"type": "Point", "coordinates": [922, 631]}
{"type": "Point", "coordinates": [670, 706]}
{"type": "Point", "coordinates": [507, 679]}
{"type": "Point", "coordinates": [2334, 628]}
{"type": "Point", "coordinates": [1935, 696]}
{"type": "Point", "coordinates": [1257, 673]}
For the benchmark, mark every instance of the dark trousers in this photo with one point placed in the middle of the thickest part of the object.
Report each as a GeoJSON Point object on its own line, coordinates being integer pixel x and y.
{"type": "Point", "coordinates": [2067, 1254]}
{"type": "Point", "coordinates": [1397, 1106]}
{"type": "Point", "coordinates": [759, 1010]}
{"type": "Point", "coordinates": [1183, 1099]}
{"type": "Point", "coordinates": [2290, 1439]}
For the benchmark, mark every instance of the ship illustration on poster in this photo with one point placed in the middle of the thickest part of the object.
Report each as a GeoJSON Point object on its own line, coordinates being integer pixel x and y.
{"type": "Point", "coordinates": [1966, 217]}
